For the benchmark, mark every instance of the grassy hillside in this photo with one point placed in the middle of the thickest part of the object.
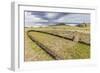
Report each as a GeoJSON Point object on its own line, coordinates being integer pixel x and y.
{"type": "Point", "coordinates": [63, 48]}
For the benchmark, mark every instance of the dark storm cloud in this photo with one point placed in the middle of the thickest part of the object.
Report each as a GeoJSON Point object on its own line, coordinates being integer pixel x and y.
{"type": "Point", "coordinates": [43, 15]}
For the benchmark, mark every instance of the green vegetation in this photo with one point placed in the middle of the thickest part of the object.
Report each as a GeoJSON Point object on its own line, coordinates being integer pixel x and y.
{"type": "Point", "coordinates": [58, 45]}
{"type": "Point", "coordinates": [83, 25]}
{"type": "Point", "coordinates": [60, 24]}
{"type": "Point", "coordinates": [33, 52]}
{"type": "Point", "coordinates": [65, 49]}
{"type": "Point", "coordinates": [81, 51]}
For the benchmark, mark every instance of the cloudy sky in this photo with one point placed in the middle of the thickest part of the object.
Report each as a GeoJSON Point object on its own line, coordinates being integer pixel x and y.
{"type": "Point", "coordinates": [33, 18]}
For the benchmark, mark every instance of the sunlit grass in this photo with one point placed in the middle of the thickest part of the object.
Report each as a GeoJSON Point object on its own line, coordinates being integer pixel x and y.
{"type": "Point", "coordinates": [63, 27]}
{"type": "Point", "coordinates": [33, 52]}
{"type": "Point", "coordinates": [81, 51]}
{"type": "Point", "coordinates": [64, 48]}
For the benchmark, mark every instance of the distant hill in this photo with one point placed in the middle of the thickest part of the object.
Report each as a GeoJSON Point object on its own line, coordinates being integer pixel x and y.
{"type": "Point", "coordinates": [83, 25]}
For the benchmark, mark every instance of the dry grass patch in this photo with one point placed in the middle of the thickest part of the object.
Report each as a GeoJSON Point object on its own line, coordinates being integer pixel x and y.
{"type": "Point", "coordinates": [65, 49]}
{"type": "Point", "coordinates": [33, 52]}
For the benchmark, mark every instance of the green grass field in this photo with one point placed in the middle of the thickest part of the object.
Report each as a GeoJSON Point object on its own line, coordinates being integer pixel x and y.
{"type": "Point", "coordinates": [63, 48]}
